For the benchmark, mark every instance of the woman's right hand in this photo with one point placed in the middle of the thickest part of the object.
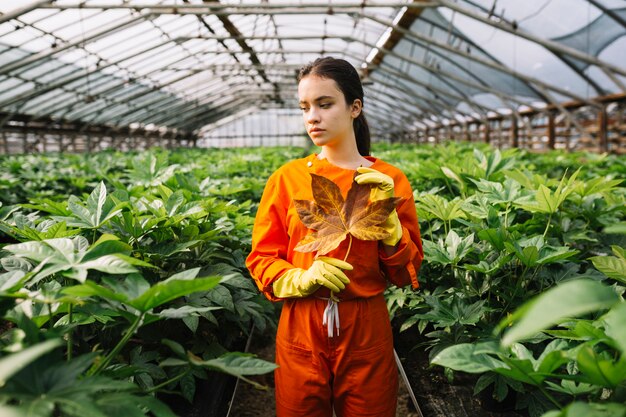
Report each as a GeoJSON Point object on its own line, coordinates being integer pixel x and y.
{"type": "Point", "coordinates": [325, 271]}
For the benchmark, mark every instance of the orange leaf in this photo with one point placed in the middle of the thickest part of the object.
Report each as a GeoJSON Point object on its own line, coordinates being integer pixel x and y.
{"type": "Point", "coordinates": [333, 218]}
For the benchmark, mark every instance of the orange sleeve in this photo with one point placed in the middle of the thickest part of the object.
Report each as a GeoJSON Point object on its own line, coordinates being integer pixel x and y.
{"type": "Point", "coordinates": [266, 261]}
{"type": "Point", "coordinates": [402, 267]}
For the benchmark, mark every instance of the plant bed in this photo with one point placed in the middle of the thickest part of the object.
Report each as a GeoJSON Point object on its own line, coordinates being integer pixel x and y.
{"type": "Point", "coordinates": [436, 395]}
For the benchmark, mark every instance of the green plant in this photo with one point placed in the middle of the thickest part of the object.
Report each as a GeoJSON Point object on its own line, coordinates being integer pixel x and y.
{"type": "Point", "coordinates": [585, 361]}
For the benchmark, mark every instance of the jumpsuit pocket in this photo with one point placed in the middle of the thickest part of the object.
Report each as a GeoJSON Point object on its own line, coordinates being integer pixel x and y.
{"type": "Point", "coordinates": [300, 380]}
{"type": "Point", "coordinates": [373, 332]}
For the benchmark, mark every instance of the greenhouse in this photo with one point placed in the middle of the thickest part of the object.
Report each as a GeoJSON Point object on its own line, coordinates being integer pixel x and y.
{"type": "Point", "coordinates": [194, 224]}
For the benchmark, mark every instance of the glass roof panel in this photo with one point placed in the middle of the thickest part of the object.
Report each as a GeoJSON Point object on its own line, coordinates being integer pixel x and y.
{"type": "Point", "coordinates": [105, 61]}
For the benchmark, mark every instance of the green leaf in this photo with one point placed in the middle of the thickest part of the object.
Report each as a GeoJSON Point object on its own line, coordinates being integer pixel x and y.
{"type": "Point", "coordinates": [107, 244]}
{"type": "Point", "coordinates": [11, 281]}
{"type": "Point", "coordinates": [237, 364]}
{"type": "Point", "coordinates": [569, 299]}
{"type": "Point", "coordinates": [95, 203]}
{"type": "Point", "coordinates": [615, 325]}
{"type": "Point", "coordinates": [222, 297]}
{"type": "Point", "coordinates": [188, 387]}
{"type": "Point", "coordinates": [176, 347]}
{"type": "Point", "coordinates": [31, 250]}
{"type": "Point", "coordinates": [174, 202]}
{"type": "Point", "coordinates": [581, 409]}
{"type": "Point", "coordinates": [600, 371]}
{"type": "Point", "coordinates": [467, 357]}
{"type": "Point", "coordinates": [90, 289]}
{"type": "Point", "coordinates": [37, 408]}
{"type": "Point", "coordinates": [185, 311]}
{"type": "Point", "coordinates": [157, 407]}
{"type": "Point", "coordinates": [571, 388]}
{"type": "Point", "coordinates": [110, 264]}
{"type": "Point", "coordinates": [169, 290]}
{"type": "Point", "coordinates": [495, 237]}
{"type": "Point", "coordinates": [611, 266]}
{"type": "Point", "coordinates": [596, 186]}
{"type": "Point", "coordinates": [10, 365]}
{"type": "Point", "coordinates": [616, 228]}
{"type": "Point", "coordinates": [440, 208]}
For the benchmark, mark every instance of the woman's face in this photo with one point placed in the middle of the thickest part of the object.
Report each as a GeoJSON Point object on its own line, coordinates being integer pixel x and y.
{"type": "Point", "coordinates": [327, 117]}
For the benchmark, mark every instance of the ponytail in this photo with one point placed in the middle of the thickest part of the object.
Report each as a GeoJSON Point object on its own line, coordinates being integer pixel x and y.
{"type": "Point", "coordinates": [362, 133]}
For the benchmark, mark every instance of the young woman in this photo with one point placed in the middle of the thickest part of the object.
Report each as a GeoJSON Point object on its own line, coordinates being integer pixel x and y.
{"type": "Point", "coordinates": [334, 356]}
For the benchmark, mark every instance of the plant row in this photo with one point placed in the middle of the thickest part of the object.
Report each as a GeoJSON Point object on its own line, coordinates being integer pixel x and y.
{"type": "Point", "coordinates": [123, 278]}
{"type": "Point", "coordinates": [123, 275]}
{"type": "Point", "coordinates": [502, 228]}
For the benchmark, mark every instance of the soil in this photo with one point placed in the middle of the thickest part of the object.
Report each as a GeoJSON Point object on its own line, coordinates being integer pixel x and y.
{"type": "Point", "coordinates": [436, 396]}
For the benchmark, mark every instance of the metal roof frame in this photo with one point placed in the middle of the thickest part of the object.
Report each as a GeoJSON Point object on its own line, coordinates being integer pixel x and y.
{"type": "Point", "coordinates": [230, 65]}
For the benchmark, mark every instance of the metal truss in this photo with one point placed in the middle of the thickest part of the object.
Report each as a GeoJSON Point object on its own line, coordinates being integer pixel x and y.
{"type": "Point", "coordinates": [241, 58]}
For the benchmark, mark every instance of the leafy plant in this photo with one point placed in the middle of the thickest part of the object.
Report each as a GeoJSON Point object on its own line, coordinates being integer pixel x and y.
{"type": "Point", "coordinates": [579, 362]}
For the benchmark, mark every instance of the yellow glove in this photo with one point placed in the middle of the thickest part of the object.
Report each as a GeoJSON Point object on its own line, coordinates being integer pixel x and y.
{"type": "Point", "coordinates": [324, 271]}
{"type": "Point", "coordinates": [383, 188]}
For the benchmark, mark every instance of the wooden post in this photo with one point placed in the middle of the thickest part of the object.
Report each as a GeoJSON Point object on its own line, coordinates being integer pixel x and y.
{"type": "Point", "coordinates": [514, 131]}
{"type": "Point", "coordinates": [602, 130]}
{"type": "Point", "coordinates": [487, 131]}
{"type": "Point", "coordinates": [551, 130]}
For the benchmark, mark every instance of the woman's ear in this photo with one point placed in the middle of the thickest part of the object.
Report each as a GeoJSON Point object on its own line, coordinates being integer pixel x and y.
{"type": "Point", "coordinates": [355, 108]}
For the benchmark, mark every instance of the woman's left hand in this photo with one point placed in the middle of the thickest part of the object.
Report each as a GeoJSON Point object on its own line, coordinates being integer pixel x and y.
{"type": "Point", "coordinates": [383, 188]}
{"type": "Point", "coordinates": [383, 183]}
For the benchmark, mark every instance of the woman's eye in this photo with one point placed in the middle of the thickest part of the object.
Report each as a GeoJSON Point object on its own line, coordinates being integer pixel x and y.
{"type": "Point", "coordinates": [325, 105]}
{"type": "Point", "coordinates": [304, 108]}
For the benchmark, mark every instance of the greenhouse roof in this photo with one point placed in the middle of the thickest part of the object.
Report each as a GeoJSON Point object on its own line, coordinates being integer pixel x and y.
{"type": "Point", "coordinates": [187, 65]}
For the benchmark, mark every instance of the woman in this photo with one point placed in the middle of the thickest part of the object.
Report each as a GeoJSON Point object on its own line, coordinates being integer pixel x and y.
{"type": "Point", "coordinates": [346, 364]}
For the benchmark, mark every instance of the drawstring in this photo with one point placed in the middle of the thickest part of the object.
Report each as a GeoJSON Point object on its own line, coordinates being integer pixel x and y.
{"type": "Point", "coordinates": [331, 316]}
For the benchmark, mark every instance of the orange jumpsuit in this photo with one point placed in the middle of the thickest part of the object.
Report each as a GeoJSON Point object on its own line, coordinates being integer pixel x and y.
{"type": "Point", "coordinates": [353, 372]}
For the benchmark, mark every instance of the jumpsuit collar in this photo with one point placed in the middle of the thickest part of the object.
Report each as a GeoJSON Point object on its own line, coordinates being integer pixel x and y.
{"type": "Point", "coordinates": [312, 161]}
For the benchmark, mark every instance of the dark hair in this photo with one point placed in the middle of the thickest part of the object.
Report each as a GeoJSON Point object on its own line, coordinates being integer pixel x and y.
{"type": "Point", "coordinates": [348, 81]}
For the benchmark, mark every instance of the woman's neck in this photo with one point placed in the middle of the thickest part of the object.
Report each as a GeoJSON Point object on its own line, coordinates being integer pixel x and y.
{"type": "Point", "coordinates": [344, 158]}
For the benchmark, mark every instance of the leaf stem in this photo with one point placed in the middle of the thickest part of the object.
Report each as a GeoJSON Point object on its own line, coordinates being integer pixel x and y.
{"type": "Point", "coordinates": [131, 330]}
{"type": "Point", "coordinates": [70, 333]}
{"type": "Point", "coordinates": [349, 247]}
{"type": "Point", "coordinates": [545, 232]}
{"type": "Point", "coordinates": [538, 384]}
{"type": "Point", "coordinates": [166, 383]}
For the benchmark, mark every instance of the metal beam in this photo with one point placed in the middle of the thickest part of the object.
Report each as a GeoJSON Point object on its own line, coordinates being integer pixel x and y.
{"type": "Point", "coordinates": [432, 102]}
{"type": "Point", "coordinates": [491, 64]}
{"type": "Point", "coordinates": [478, 108]}
{"type": "Point", "coordinates": [210, 8]}
{"type": "Point", "coordinates": [609, 12]}
{"type": "Point", "coordinates": [5, 69]}
{"type": "Point", "coordinates": [58, 84]}
{"type": "Point", "coordinates": [546, 43]}
{"type": "Point", "coordinates": [599, 90]}
{"type": "Point", "coordinates": [241, 89]}
{"type": "Point", "coordinates": [395, 36]}
{"type": "Point", "coordinates": [439, 72]}
{"type": "Point", "coordinates": [231, 28]}
{"type": "Point", "coordinates": [22, 10]}
{"type": "Point", "coordinates": [225, 120]}
{"type": "Point", "coordinates": [88, 73]}
{"type": "Point", "coordinates": [29, 94]}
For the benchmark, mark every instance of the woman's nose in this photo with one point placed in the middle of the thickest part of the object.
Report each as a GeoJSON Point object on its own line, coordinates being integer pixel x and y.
{"type": "Point", "coordinates": [313, 116]}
